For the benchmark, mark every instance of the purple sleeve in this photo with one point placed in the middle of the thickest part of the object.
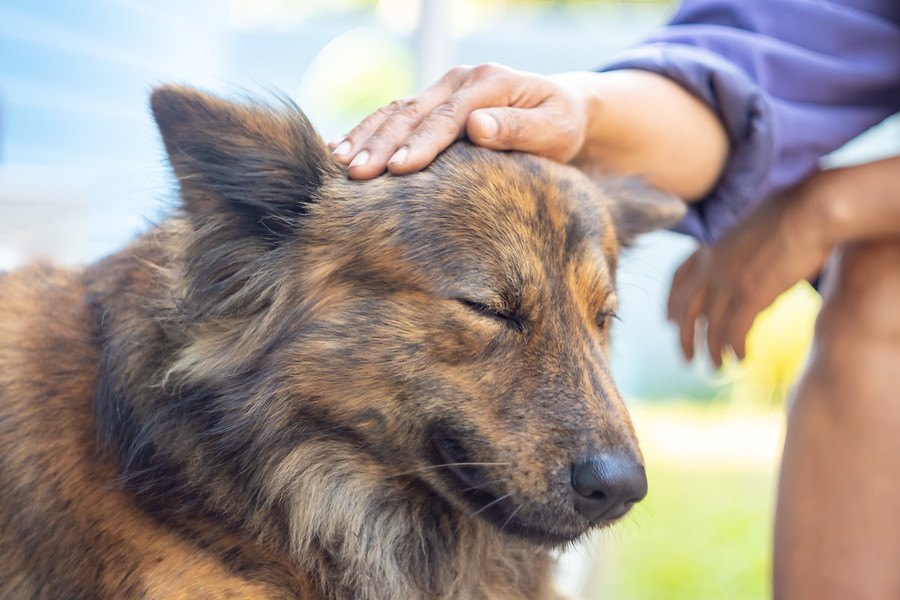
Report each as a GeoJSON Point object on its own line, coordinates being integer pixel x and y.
{"type": "Point", "coordinates": [790, 79]}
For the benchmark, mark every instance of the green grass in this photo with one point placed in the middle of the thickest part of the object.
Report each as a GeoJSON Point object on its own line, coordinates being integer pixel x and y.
{"type": "Point", "coordinates": [700, 534]}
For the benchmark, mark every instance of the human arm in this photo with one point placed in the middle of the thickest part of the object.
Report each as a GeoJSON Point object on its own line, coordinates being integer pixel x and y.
{"type": "Point", "coordinates": [630, 122]}
{"type": "Point", "coordinates": [785, 240]}
{"type": "Point", "coordinates": [805, 93]}
{"type": "Point", "coordinates": [855, 203]}
{"type": "Point", "coordinates": [790, 80]}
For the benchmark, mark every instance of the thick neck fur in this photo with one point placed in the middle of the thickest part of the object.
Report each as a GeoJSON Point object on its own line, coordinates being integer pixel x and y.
{"type": "Point", "coordinates": [190, 407]}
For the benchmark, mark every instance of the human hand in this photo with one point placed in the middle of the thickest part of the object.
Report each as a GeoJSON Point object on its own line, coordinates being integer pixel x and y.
{"type": "Point", "coordinates": [496, 107]}
{"type": "Point", "coordinates": [782, 242]}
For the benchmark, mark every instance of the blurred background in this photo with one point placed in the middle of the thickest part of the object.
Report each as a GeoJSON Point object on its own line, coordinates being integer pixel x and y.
{"type": "Point", "coordinates": [82, 171]}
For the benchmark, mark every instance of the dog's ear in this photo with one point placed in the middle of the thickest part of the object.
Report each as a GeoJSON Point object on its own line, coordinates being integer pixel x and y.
{"type": "Point", "coordinates": [637, 207]}
{"type": "Point", "coordinates": [248, 174]}
{"type": "Point", "coordinates": [254, 167]}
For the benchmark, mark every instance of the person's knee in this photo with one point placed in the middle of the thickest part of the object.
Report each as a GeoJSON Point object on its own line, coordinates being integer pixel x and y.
{"type": "Point", "coordinates": [862, 294]}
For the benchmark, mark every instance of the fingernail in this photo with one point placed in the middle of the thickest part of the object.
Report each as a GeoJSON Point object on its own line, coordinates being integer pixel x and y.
{"type": "Point", "coordinates": [342, 148]}
{"type": "Point", "coordinates": [360, 159]}
{"type": "Point", "coordinates": [488, 125]}
{"type": "Point", "coordinates": [399, 156]}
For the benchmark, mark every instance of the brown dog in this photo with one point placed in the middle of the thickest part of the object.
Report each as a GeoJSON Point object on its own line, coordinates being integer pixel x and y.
{"type": "Point", "coordinates": [301, 386]}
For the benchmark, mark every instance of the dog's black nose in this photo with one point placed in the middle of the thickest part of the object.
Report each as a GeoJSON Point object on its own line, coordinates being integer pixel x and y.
{"type": "Point", "coordinates": [607, 485]}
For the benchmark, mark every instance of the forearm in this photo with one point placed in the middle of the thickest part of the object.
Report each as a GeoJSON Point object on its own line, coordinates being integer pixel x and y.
{"type": "Point", "coordinates": [853, 203]}
{"type": "Point", "coordinates": [642, 123]}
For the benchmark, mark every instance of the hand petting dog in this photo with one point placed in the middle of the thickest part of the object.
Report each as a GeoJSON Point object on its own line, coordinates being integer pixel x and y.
{"type": "Point", "coordinates": [628, 121]}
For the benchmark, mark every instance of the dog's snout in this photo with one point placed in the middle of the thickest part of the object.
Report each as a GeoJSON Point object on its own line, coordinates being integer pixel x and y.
{"type": "Point", "coordinates": [607, 485]}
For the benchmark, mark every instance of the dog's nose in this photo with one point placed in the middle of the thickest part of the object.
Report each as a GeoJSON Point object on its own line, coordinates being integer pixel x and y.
{"type": "Point", "coordinates": [607, 485]}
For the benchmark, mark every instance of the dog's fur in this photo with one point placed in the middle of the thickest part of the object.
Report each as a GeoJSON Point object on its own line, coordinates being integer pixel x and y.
{"type": "Point", "coordinates": [260, 397]}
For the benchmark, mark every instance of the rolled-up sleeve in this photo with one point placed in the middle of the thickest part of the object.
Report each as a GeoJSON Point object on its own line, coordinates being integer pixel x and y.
{"type": "Point", "coordinates": [791, 80]}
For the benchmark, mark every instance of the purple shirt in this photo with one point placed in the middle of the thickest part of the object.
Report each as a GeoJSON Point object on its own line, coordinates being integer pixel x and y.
{"type": "Point", "coordinates": [791, 80]}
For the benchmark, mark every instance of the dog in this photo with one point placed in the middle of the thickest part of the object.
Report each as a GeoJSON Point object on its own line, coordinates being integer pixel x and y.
{"type": "Point", "coordinates": [303, 386]}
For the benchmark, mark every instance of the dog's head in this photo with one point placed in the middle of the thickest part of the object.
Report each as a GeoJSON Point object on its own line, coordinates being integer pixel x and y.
{"type": "Point", "coordinates": [442, 334]}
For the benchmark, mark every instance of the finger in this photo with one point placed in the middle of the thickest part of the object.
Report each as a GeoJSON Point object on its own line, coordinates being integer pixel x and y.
{"type": "Point", "coordinates": [678, 292]}
{"type": "Point", "coordinates": [687, 322]}
{"type": "Point", "coordinates": [546, 130]}
{"type": "Point", "coordinates": [686, 299]}
{"type": "Point", "coordinates": [398, 113]}
{"type": "Point", "coordinates": [487, 86]}
{"type": "Point", "coordinates": [745, 307]}
{"type": "Point", "coordinates": [716, 309]}
{"type": "Point", "coordinates": [443, 126]}
{"type": "Point", "coordinates": [740, 326]}
{"type": "Point", "coordinates": [346, 149]}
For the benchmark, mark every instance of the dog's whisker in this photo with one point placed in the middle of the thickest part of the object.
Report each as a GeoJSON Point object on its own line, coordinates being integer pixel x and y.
{"type": "Point", "coordinates": [482, 485]}
{"type": "Point", "coordinates": [488, 505]}
{"type": "Point", "coordinates": [463, 522]}
{"type": "Point", "coordinates": [470, 464]}
{"type": "Point", "coordinates": [450, 465]}
{"type": "Point", "coordinates": [511, 516]}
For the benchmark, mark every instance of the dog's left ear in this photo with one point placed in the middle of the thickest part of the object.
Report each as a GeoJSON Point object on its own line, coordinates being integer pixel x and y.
{"type": "Point", "coordinates": [637, 207]}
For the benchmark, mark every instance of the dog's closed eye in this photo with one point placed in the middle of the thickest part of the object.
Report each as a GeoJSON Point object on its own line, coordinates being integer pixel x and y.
{"type": "Point", "coordinates": [604, 319]}
{"type": "Point", "coordinates": [510, 319]}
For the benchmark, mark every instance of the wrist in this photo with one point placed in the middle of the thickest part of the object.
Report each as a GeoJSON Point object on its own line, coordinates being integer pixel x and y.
{"type": "Point", "coordinates": [583, 88]}
{"type": "Point", "coordinates": [612, 132]}
{"type": "Point", "coordinates": [861, 202]}
{"type": "Point", "coordinates": [823, 209]}
{"type": "Point", "coordinates": [642, 123]}
{"type": "Point", "coordinates": [836, 216]}
{"type": "Point", "coordinates": [817, 213]}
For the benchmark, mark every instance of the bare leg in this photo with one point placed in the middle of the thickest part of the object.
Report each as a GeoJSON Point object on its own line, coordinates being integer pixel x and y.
{"type": "Point", "coordinates": [837, 530]}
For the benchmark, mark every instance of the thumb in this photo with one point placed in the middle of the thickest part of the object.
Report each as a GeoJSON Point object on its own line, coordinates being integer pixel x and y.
{"type": "Point", "coordinates": [524, 129]}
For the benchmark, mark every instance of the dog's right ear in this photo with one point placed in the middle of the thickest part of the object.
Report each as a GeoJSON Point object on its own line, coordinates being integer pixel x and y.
{"type": "Point", "coordinates": [248, 173]}
{"type": "Point", "coordinates": [250, 167]}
